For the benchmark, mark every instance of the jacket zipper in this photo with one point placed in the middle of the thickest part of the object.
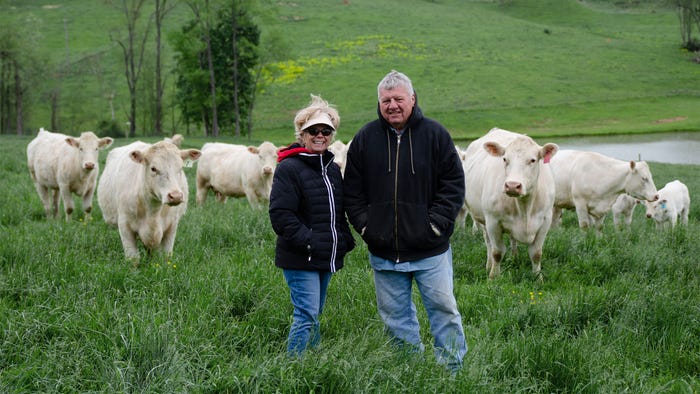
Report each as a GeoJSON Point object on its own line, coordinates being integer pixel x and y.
{"type": "Point", "coordinates": [331, 204]}
{"type": "Point", "coordinates": [396, 198]}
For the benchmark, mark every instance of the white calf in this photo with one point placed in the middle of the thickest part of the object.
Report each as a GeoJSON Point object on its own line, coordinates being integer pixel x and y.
{"type": "Point", "coordinates": [623, 209]}
{"type": "Point", "coordinates": [673, 203]}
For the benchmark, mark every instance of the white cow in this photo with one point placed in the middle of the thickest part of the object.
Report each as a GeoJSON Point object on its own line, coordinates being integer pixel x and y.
{"type": "Point", "coordinates": [175, 139]}
{"type": "Point", "coordinates": [623, 209]}
{"type": "Point", "coordinates": [510, 190]}
{"type": "Point", "coordinates": [61, 165]}
{"type": "Point", "coordinates": [340, 153]}
{"type": "Point", "coordinates": [590, 182]}
{"type": "Point", "coordinates": [236, 171]}
{"type": "Point", "coordinates": [673, 203]}
{"type": "Point", "coordinates": [143, 191]}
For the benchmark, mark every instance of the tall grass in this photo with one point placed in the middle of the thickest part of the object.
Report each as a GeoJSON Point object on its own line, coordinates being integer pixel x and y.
{"type": "Point", "coordinates": [615, 313]}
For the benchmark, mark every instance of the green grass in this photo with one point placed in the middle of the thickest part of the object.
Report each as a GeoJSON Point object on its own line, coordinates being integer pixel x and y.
{"type": "Point", "coordinates": [548, 67]}
{"type": "Point", "coordinates": [615, 313]}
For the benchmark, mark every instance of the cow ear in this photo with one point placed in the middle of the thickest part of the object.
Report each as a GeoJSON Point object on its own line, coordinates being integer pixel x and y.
{"type": "Point", "coordinates": [549, 150]}
{"type": "Point", "coordinates": [494, 149]}
{"type": "Point", "coordinates": [73, 142]}
{"type": "Point", "coordinates": [105, 142]}
{"type": "Point", "coordinates": [137, 156]}
{"type": "Point", "coordinates": [253, 149]}
{"type": "Point", "coordinates": [190, 154]}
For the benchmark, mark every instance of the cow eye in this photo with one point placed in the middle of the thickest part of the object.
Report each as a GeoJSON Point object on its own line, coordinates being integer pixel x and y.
{"type": "Point", "coordinates": [533, 161]}
{"type": "Point", "coordinates": [154, 170]}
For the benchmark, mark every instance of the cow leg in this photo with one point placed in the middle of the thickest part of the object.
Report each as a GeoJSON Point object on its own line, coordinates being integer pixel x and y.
{"type": "Point", "coordinates": [684, 216]}
{"type": "Point", "coordinates": [168, 240]}
{"type": "Point", "coordinates": [67, 198]}
{"type": "Point", "coordinates": [202, 190]}
{"type": "Point", "coordinates": [556, 216]}
{"type": "Point", "coordinates": [87, 204]}
{"type": "Point", "coordinates": [55, 199]}
{"type": "Point", "coordinates": [582, 212]}
{"type": "Point", "coordinates": [45, 194]}
{"type": "Point", "coordinates": [496, 251]}
{"type": "Point", "coordinates": [128, 238]}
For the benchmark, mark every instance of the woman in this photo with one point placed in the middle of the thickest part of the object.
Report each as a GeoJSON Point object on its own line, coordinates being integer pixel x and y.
{"type": "Point", "coordinates": [306, 212]}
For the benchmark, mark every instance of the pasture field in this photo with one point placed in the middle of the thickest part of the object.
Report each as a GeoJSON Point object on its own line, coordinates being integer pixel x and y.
{"type": "Point", "coordinates": [615, 313]}
{"type": "Point", "coordinates": [545, 67]}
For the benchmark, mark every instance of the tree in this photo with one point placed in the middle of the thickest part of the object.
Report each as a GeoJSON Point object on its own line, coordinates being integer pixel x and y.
{"type": "Point", "coordinates": [206, 60]}
{"type": "Point", "coordinates": [19, 70]}
{"type": "Point", "coordinates": [133, 52]}
{"type": "Point", "coordinates": [689, 15]}
{"type": "Point", "coordinates": [161, 11]}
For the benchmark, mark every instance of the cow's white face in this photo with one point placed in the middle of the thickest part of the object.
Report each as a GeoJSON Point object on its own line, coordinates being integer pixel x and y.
{"type": "Point", "coordinates": [163, 176]}
{"type": "Point", "coordinates": [639, 182]}
{"type": "Point", "coordinates": [522, 159]}
{"type": "Point", "coordinates": [658, 210]}
{"type": "Point", "coordinates": [88, 146]}
{"type": "Point", "coordinates": [267, 154]}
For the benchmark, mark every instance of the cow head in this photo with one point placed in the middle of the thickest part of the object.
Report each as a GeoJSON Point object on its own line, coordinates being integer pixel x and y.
{"type": "Point", "coordinates": [522, 160]}
{"type": "Point", "coordinates": [88, 146]}
{"type": "Point", "coordinates": [267, 155]}
{"type": "Point", "coordinates": [639, 182]}
{"type": "Point", "coordinates": [162, 165]}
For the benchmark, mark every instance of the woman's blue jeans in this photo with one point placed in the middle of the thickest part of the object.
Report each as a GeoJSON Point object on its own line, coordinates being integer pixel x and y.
{"type": "Point", "coordinates": [308, 294]}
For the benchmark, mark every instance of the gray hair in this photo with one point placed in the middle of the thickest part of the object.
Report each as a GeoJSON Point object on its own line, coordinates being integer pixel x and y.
{"type": "Point", "coordinates": [395, 79]}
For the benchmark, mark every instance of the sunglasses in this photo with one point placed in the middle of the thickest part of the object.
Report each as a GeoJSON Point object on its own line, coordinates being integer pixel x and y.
{"type": "Point", "coordinates": [314, 132]}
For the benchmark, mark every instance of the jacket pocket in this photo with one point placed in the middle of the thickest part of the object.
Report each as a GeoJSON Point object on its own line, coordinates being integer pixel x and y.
{"type": "Point", "coordinates": [380, 225]}
{"type": "Point", "coordinates": [415, 231]}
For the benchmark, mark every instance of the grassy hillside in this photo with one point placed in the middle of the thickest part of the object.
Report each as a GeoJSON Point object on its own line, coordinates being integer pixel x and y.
{"type": "Point", "coordinates": [547, 67]}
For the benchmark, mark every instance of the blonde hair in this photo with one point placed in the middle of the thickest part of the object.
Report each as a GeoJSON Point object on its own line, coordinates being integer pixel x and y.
{"type": "Point", "coordinates": [317, 105]}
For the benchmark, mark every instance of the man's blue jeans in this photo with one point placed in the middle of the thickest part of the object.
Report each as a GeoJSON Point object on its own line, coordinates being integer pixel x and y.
{"type": "Point", "coordinates": [308, 294]}
{"type": "Point", "coordinates": [433, 277]}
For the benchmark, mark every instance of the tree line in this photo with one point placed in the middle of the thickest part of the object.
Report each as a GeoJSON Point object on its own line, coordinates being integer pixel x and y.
{"type": "Point", "coordinates": [217, 66]}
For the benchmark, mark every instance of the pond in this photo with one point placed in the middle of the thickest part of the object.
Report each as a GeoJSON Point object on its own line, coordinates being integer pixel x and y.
{"type": "Point", "coordinates": [674, 148]}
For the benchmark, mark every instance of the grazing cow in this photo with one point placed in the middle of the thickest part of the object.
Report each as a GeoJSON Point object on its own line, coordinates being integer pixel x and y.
{"type": "Point", "coordinates": [673, 202]}
{"type": "Point", "coordinates": [510, 190]}
{"type": "Point", "coordinates": [623, 208]}
{"type": "Point", "coordinates": [340, 153]}
{"type": "Point", "coordinates": [590, 182]}
{"type": "Point", "coordinates": [61, 165]}
{"type": "Point", "coordinates": [143, 191]}
{"type": "Point", "coordinates": [236, 171]}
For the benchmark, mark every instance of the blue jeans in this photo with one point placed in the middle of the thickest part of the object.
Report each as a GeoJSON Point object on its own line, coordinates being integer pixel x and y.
{"type": "Point", "coordinates": [433, 277]}
{"type": "Point", "coordinates": [308, 294]}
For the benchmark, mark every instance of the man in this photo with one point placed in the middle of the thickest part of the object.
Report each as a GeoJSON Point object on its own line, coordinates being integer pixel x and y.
{"type": "Point", "coordinates": [404, 186]}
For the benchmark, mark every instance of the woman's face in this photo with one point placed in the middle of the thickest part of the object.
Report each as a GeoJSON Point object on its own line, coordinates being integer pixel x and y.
{"type": "Point", "coordinates": [317, 143]}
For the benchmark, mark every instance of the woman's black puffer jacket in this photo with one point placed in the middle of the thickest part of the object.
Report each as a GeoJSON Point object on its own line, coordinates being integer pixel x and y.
{"type": "Point", "coordinates": [306, 211]}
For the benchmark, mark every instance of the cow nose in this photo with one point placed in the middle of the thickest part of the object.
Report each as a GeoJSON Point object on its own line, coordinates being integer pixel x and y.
{"type": "Point", "coordinates": [513, 188]}
{"type": "Point", "coordinates": [267, 170]}
{"type": "Point", "coordinates": [89, 165]}
{"type": "Point", "coordinates": [174, 198]}
{"type": "Point", "coordinates": [648, 215]}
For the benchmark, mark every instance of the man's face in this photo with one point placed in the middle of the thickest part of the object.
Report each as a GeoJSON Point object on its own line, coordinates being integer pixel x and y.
{"type": "Point", "coordinates": [396, 106]}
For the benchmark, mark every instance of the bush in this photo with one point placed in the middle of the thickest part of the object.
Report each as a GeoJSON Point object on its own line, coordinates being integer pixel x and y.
{"type": "Point", "coordinates": [109, 128]}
